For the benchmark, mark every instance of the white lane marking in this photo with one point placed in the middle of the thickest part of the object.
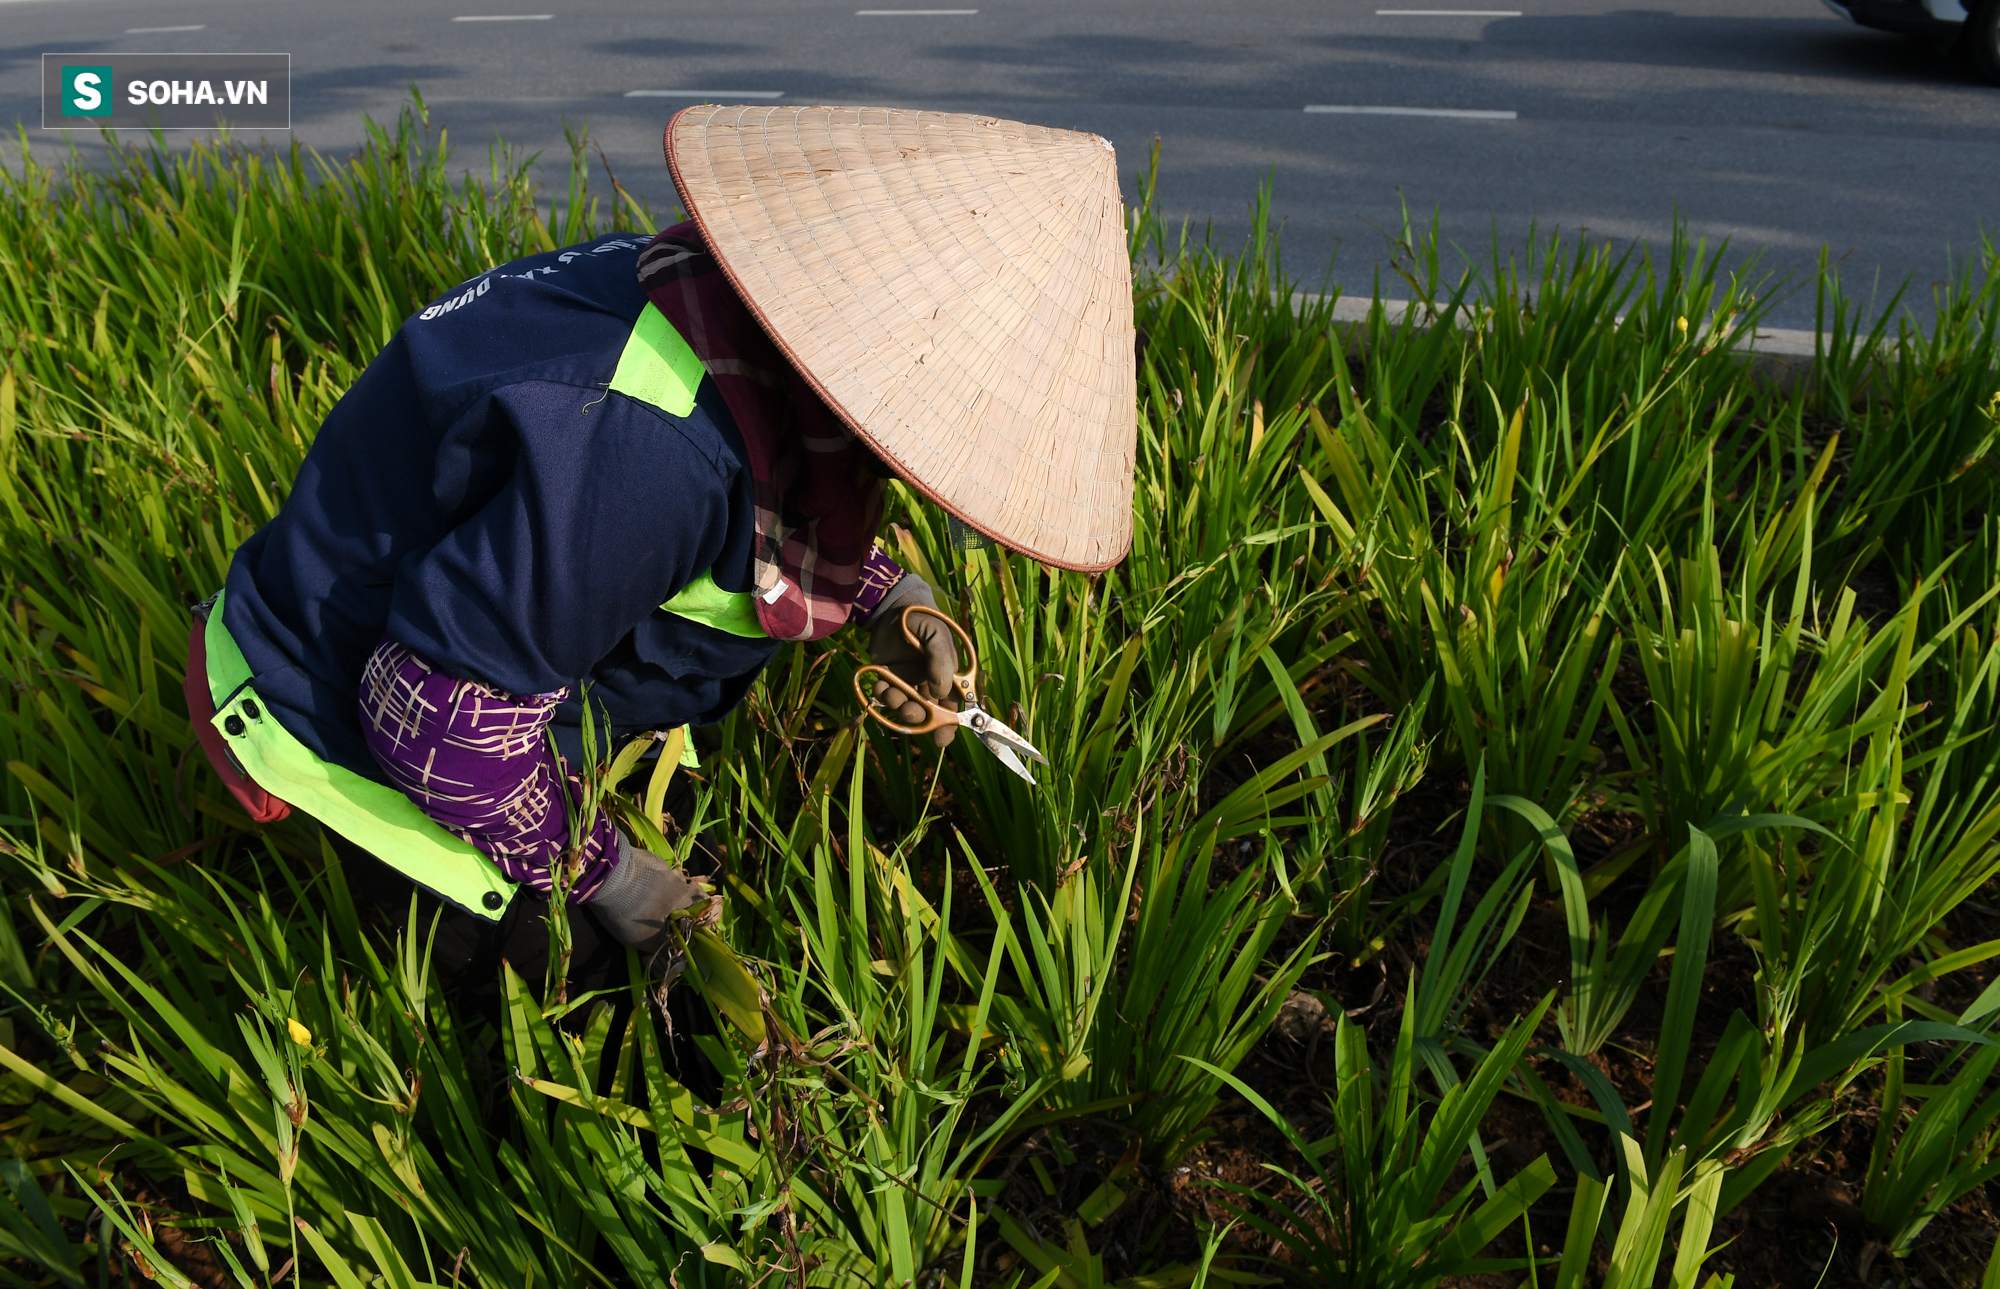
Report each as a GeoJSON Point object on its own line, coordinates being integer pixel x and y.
{"type": "Point", "coordinates": [148, 31]}
{"type": "Point", "coordinates": [913, 13]}
{"type": "Point", "coordinates": [1465, 114]}
{"type": "Point", "coordinates": [504, 17]}
{"type": "Point", "coordinates": [1447, 13]}
{"type": "Point", "coordinates": [721, 96]}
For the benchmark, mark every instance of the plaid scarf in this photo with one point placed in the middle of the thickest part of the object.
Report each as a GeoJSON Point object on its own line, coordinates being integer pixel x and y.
{"type": "Point", "coordinates": [818, 499]}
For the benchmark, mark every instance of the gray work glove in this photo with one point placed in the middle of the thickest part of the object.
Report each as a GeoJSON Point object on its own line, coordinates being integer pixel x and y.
{"type": "Point", "coordinates": [927, 669]}
{"type": "Point", "coordinates": [641, 893]}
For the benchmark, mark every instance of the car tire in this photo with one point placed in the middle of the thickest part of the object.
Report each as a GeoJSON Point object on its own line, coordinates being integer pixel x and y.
{"type": "Point", "coordinates": [1982, 40]}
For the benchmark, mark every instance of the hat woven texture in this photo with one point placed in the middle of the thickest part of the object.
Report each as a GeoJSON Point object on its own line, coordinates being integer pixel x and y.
{"type": "Point", "coordinates": [958, 290]}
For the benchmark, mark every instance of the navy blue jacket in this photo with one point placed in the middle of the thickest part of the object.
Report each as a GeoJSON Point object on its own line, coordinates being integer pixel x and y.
{"type": "Point", "coordinates": [483, 497]}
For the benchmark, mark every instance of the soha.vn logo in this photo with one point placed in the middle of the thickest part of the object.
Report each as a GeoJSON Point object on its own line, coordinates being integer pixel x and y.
{"type": "Point", "coordinates": [87, 91]}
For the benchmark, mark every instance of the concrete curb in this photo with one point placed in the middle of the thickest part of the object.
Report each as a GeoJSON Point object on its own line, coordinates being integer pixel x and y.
{"type": "Point", "coordinates": [1775, 354]}
{"type": "Point", "coordinates": [1776, 341]}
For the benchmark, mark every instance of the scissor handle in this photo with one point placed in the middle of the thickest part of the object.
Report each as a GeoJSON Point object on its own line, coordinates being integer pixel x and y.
{"type": "Point", "coordinates": [938, 717]}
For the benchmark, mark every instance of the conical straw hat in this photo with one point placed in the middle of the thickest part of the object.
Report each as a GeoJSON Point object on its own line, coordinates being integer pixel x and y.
{"type": "Point", "coordinates": [956, 287]}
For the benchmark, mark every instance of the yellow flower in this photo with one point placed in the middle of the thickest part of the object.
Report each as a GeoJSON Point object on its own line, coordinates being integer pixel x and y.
{"type": "Point", "coordinates": [1682, 323]}
{"type": "Point", "coordinates": [300, 1034]}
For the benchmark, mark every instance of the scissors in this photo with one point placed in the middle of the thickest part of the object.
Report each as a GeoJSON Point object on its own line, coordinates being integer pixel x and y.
{"type": "Point", "coordinates": [994, 733]}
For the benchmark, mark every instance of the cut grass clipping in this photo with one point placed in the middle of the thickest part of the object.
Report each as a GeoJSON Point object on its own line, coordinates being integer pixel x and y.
{"type": "Point", "coordinates": [1523, 807]}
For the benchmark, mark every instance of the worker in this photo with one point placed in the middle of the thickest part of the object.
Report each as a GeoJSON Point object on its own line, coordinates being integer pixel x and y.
{"type": "Point", "coordinates": [607, 483]}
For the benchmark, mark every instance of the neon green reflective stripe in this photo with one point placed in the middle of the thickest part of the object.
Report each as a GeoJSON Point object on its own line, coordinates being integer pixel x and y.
{"type": "Point", "coordinates": [703, 601]}
{"type": "Point", "coordinates": [657, 366]}
{"type": "Point", "coordinates": [227, 671]}
{"type": "Point", "coordinates": [373, 816]}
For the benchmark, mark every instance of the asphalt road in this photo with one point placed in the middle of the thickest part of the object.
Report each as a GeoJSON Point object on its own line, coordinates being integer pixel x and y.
{"type": "Point", "coordinates": [1771, 123]}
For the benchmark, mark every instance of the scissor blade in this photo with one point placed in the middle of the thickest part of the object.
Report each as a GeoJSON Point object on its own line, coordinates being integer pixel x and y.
{"type": "Point", "coordinates": [999, 748]}
{"type": "Point", "coordinates": [991, 729]}
{"type": "Point", "coordinates": [1001, 741]}
{"type": "Point", "coordinates": [998, 733]}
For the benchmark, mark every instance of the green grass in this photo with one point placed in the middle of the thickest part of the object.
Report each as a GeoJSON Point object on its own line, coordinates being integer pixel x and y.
{"type": "Point", "coordinates": [1628, 722]}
